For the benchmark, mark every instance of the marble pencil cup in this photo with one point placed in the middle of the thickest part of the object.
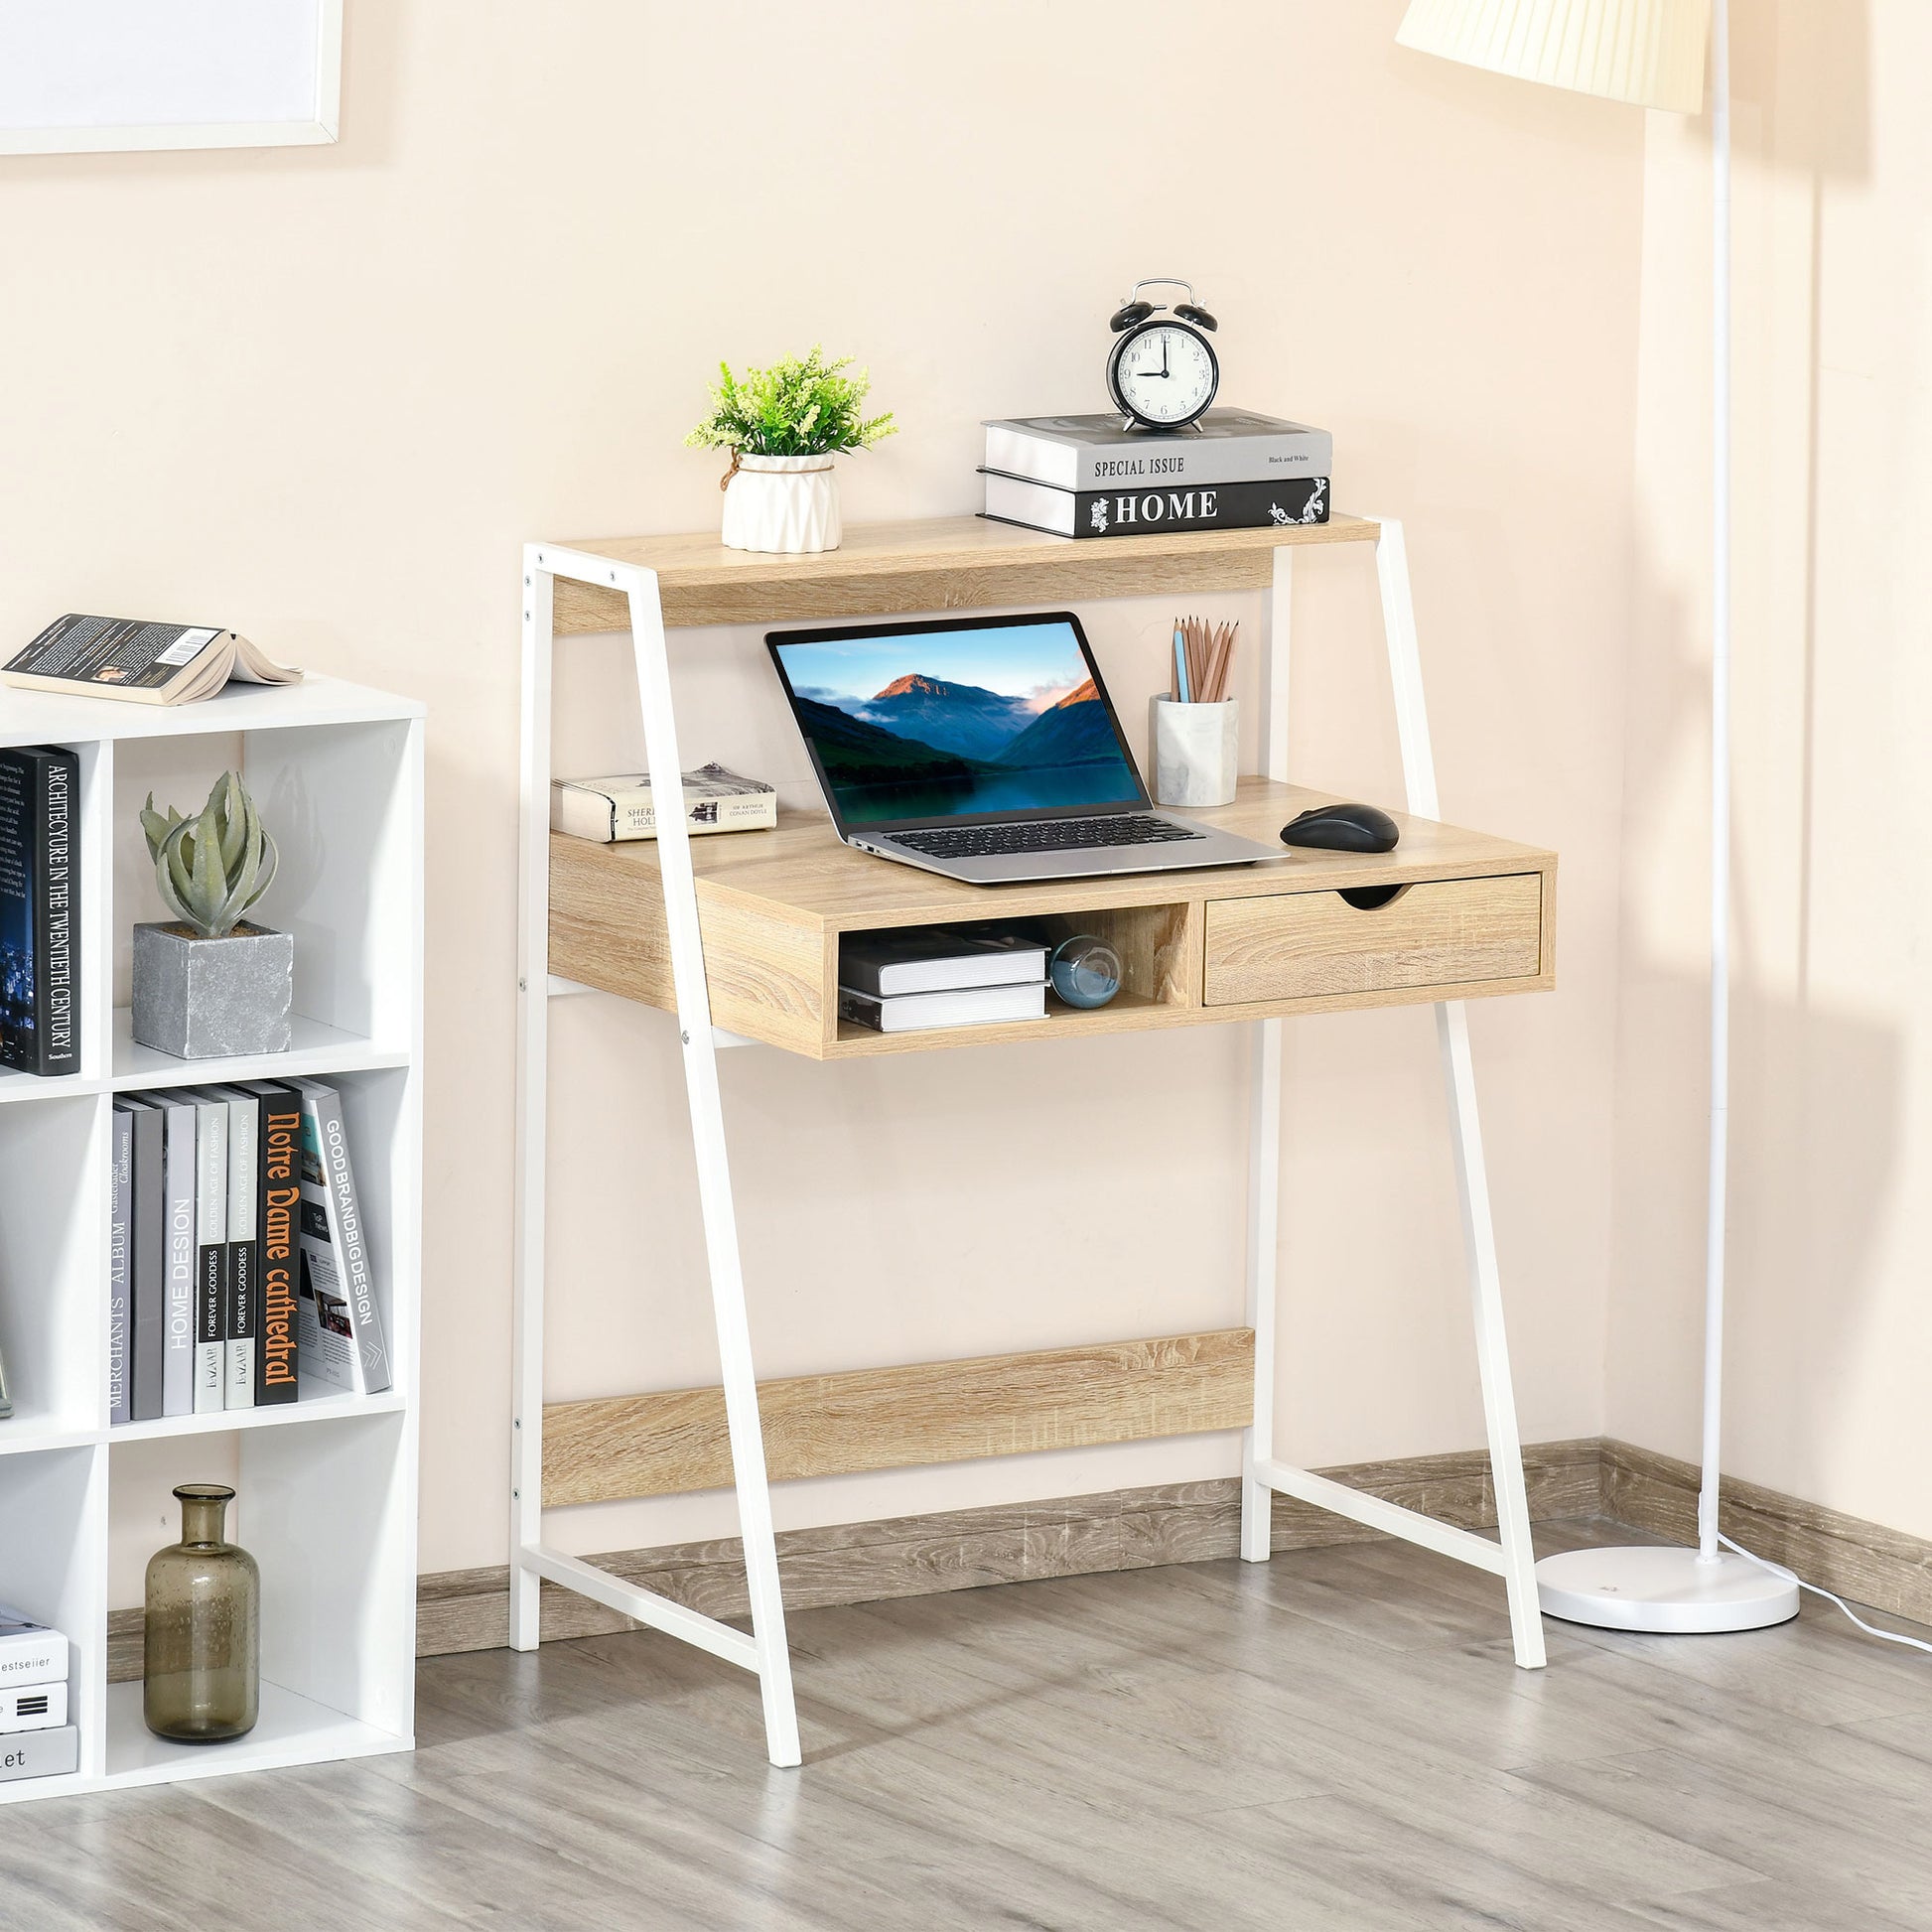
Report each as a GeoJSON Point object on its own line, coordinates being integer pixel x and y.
{"type": "Point", "coordinates": [1197, 751]}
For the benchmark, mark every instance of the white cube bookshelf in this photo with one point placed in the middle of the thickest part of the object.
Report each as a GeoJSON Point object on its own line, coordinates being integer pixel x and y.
{"type": "Point", "coordinates": [326, 1485]}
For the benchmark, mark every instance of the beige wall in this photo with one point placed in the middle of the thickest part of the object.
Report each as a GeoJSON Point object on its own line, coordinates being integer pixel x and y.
{"type": "Point", "coordinates": [1829, 1320]}
{"type": "Point", "coordinates": [324, 396]}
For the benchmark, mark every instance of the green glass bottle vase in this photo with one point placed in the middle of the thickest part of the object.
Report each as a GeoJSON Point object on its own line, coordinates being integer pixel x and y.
{"type": "Point", "coordinates": [201, 1672]}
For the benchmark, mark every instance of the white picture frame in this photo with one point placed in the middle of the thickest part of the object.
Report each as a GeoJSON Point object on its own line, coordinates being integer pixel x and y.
{"type": "Point", "coordinates": [92, 77]}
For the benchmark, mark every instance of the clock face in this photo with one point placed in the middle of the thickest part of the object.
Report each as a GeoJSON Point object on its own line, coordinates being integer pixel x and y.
{"type": "Point", "coordinates": [1164, 373]}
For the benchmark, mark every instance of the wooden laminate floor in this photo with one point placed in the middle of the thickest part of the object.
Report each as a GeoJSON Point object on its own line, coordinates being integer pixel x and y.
{"type": "Point", "coordinates": [1336, 1740]}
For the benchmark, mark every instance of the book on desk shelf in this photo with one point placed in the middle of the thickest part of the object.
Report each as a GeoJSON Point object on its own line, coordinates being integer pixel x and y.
{"type": "Point", "coordinates": [39, 910]}
{"type": "Point", "coordinates": [1142, 509]}
{"type": "Point", "coordinates": [613, 810]}
{"type": "Point", "coordinates": [972, 1005]}
{"type": "Point", "coordinates": [933, 959]}
{"type": "Point", "coordinates": [138, 660]}
{"type": "Point", "coordinates": [1093, 452]}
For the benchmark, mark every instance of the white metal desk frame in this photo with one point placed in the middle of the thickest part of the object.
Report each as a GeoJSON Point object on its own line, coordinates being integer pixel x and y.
{"type": "Point", "coordinates": [764, 1652]}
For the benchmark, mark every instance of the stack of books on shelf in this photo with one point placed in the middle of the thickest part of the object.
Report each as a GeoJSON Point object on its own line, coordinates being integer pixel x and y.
{"type": "Point", "coordinates": [939, 976]}
{"type": "Point", "coordinates": [238, 1263]}
{"type": "Point", "coordinates": [36, 1739]}
{"type": "Point", "coordinates": [1086, 476]}
{"type": "Point", "coordinates": [39, 910]}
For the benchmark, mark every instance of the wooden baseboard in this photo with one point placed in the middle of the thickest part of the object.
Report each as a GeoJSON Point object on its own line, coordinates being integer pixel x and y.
{"type": "Point", "coordinates": [1194, 1522]}
{"type": "Point", "coordinates": [1885, 1568]}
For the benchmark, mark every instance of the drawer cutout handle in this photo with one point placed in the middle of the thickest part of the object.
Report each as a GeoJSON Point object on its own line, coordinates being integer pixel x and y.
{"type": "Point", "coordinates": [1370, 899]}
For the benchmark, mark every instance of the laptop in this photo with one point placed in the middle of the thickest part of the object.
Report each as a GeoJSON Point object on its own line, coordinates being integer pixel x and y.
{"type": "Point", "coordinates": [986, 749]}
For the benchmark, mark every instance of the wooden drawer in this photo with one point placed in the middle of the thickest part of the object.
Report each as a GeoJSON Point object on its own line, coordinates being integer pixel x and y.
{"type": "Point", "coordinates": [1307, 945]}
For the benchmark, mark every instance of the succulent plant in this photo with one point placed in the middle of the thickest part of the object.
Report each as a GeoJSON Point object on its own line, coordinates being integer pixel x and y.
{"type": "Point", "coordinates": [213, 866]}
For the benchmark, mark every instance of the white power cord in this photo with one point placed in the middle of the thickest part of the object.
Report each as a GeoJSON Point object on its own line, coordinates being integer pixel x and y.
{"type": "Point", "coordinates": [1792, 1576]}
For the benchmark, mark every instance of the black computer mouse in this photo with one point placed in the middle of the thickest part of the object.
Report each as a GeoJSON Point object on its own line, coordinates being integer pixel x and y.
{"type": "Point", "coordinates": [1344, 828]}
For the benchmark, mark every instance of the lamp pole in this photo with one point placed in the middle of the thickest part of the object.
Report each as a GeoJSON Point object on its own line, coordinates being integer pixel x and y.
{"type": "Point", "coordinates": [1714, 1263]}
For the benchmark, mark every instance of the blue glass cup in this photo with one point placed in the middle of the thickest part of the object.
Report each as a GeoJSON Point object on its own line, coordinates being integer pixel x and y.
{"type": "Point", "coordinates": [1085, 971]}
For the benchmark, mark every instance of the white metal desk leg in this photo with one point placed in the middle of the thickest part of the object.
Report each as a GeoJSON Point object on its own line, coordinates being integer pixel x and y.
{"type": "Point", "coordinates": [1265, 1119]}
{"type": "Point", "coordinates": [714, 1185]}
{"type": "Point", "coordinates": [1458, 1073]}
{"type": "Point", "coordinates": [532, 1047]}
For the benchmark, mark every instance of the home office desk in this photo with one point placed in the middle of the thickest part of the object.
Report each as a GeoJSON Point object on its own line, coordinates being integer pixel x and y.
{"type": "Point", "coordinates": [738, 938]}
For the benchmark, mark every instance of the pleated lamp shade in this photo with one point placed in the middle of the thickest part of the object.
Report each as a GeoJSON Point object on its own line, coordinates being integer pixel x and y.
{"type": "Point", "coordinates": [1647, 52]}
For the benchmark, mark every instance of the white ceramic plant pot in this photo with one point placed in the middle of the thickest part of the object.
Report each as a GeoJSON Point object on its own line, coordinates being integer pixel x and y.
{"type": "Point", "coordinates": [782, 502]}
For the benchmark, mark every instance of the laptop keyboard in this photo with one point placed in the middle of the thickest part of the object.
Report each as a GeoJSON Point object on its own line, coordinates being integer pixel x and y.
{"type": "Point", "coordinates": [1042, 835]}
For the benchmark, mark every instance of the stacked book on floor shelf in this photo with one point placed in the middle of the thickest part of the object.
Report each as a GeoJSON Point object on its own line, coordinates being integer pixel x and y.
{"type": "Point", "coordinates": [1087, 477]}
{"type": "Point", "coordinates": [939, 976]}
{"type": "Point", "coordinates": [238, 1266]}
{"type": "Point", "coordinates": [36, 1739]}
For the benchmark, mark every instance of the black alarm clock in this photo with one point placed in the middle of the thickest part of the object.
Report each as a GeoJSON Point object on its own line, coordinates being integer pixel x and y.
{"type": "Point", "coordinates": [1163, 374]}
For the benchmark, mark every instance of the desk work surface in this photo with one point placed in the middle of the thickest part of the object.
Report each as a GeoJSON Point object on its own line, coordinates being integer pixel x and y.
{"type": "Point", "coordinates": [942, 563]}
{"type": "Point", "coordinates": [1475, 918]}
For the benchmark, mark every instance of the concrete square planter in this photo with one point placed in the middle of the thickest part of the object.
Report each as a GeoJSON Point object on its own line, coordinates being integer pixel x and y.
{"type": "Point", "coordinates": [202, 999]}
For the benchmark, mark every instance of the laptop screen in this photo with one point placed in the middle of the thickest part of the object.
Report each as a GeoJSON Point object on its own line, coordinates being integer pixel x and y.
{"type": "Point", "coordinates": [913, 724]}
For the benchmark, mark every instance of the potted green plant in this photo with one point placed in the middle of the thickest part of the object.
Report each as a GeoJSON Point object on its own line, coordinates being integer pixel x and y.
{"type": "Point", "coordinates": [208, 982]}
{"type": "Point", "coordinates": [783, 427]}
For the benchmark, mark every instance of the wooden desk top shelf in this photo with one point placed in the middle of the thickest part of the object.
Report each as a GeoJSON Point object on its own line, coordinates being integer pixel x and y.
{"type": "Point", "coordinates": [1472, 916]}
{"type": "Point", "coordinates": [739, 937]}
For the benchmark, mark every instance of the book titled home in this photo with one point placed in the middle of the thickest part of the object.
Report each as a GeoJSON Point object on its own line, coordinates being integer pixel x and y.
{"type": "Point", "coordinates": [1095, 453]}
{"type": "Point", "coordinates": [340, 1331]}
{"type": "Point", "coordinates": [614, 809]}
{"type": "Point", "coordinates": [39, 910]}
{"type": "Point", "coordinates": [1146, 508]}
{"type": "Point", "coordinates": [278, 1207]}
{"type": "Point", "coordinates": [147, 1258]}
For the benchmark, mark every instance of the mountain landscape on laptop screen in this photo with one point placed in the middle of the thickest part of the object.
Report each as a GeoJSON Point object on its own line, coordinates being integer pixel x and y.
{"type": "Point", "coordinates": [941, 723]}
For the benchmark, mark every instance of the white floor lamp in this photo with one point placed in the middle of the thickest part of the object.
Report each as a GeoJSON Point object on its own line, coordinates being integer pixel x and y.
{"type": "Point", "coordinates": [1651, 52]}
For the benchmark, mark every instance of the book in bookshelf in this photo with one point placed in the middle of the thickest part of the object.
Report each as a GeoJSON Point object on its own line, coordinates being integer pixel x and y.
{"type": "Point", "coordinates": [147, 1257]}
{"type": "Point", "coordinates": [339, 1329]}
{"type": "Point", "coordinates": [120, 1269]}
{"type": "Point", "coordinates": [278, 1173]}
{"type": "Point", "coordinates": [39, 910]}
{"type": "Point", "coordinates": [242, 1312]}
{"type": "Point", "coordinates": [211, 1248]}
{"type": "Point", "coordinates": [179, 1231]}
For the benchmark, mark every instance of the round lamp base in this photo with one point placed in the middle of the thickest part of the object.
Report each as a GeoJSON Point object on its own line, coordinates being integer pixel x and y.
{"type": "Point", "coordinates": [1663, 1591]}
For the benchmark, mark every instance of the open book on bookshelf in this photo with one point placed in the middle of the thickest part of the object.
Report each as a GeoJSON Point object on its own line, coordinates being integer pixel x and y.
{"type": "Point", "coordinates": [146, 664]}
